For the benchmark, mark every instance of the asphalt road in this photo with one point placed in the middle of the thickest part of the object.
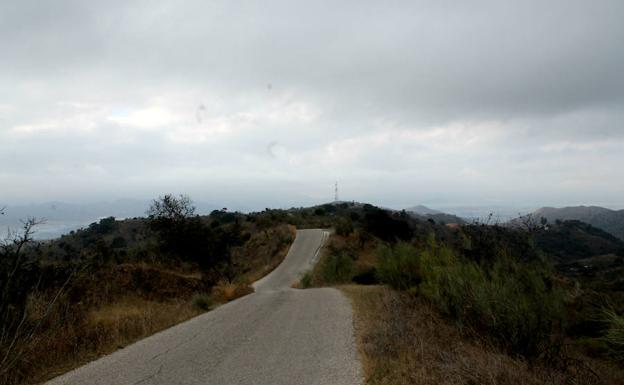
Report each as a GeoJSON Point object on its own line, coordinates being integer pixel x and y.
{"type": "Point", "coordinates": [278, 335]}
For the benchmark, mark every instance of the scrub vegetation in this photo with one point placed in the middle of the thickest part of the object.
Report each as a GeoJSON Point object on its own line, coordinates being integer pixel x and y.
{"type": "Point", "coordinates": [435, 302]}
{"type": "Point", "coordinates": [68, 301]}
{"type": "Point", "coordinates": [478, 303]}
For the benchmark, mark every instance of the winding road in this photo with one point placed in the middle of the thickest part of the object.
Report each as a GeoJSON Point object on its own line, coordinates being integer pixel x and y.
{"type": "Point", "coordinates": [277, 335]}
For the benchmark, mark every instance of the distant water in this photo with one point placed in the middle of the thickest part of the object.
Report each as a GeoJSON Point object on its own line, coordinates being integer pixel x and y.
{"type": "Point", "coordinates": [47, 230]}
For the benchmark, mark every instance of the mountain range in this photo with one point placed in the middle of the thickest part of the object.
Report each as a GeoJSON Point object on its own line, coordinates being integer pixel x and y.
{"type": "Point", "coordinates": [424, 212]}
{"type": "Point", "coordinates": [611, 221]}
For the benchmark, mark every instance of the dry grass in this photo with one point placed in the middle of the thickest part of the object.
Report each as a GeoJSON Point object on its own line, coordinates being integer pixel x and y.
{"type": "Point", "coordinates": [226, 292]}
{"type": "Point", "coordinates": [265, 251]}
{"type": "Point", "coordinates": [402, 340]}
{"type": "Point", "coordinates": [119, 305]}
{"type": "Point", "coordinates": [69, 343]}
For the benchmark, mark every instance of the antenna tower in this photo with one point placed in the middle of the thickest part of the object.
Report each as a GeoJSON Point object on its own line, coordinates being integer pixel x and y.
{"type": "Point", "coordinates": [336, 192]}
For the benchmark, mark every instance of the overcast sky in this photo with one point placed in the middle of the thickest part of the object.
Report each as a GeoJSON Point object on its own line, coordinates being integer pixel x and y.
{"type": "Point", "coordinates": [267, 103]}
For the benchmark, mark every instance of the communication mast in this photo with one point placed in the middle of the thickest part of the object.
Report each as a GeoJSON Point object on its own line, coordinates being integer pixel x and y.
{"type": "Point", "coordinates": [336, 192]}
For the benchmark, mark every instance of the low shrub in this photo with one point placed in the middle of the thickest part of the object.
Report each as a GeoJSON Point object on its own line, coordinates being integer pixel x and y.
{"type": "Point", "coordinates": [306, 280]}
{"type": "Point", "coordinates": [366, 276]}
{"type": "Point", "coordinates": [337, 268]}
{"type": "Point", "coordinates": [226, 292]}
{"type": "Point", "coordinates": [344, 227]}
{"type": "Point", "coordinates": [202, 301]}
{"type": "Point", "coordinates": [515, 304]}
{"type": "Point", "coordinates": [399, 266]}
{"type": "Point", "coordinates": [614, 336]}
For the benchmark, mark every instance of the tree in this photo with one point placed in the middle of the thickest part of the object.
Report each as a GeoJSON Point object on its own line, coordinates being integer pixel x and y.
{"type": "Point", "coordinates": [19, 277]}
{"type": "Point", "coordinates": [12, 264]}
{"type": "Point", "coordinates": [185, 235]}
{"type": "Point", "coordinates": [171, 209]}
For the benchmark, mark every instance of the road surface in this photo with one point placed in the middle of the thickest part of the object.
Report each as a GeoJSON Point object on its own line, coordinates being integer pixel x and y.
{"type": "Point", "coordinates": [277, 335]}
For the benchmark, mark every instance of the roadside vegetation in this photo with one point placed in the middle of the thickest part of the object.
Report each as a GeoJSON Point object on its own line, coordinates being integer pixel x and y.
{"type": "Point", "coordinates": [478, 303]}
{"type": "Point", "coordinates": [404, 340]}
{"type": "Point", "coordinates": [68, 301]}
{"type": "Point", "coordinates": [435, 302]}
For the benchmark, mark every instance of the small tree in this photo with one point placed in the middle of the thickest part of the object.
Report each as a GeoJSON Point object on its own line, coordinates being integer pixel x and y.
{"type": "Point", "coordinates": [185, 235]}
{"type": "Point", "coordinates": [12, 265]}
{"type": "Point", "coordinates": [171, 209]}
{"type": "Point", "coordinates": [19, 277]}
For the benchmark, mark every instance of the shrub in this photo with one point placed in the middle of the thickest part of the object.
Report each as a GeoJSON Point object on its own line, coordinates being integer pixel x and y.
{"type": "Point", "coordinates": [306, 280]}
{"type": "Point", "coordinates": [615, 334]}
{"type": "Point", "coordinates": [119, 243]}
{"type": "Point", "coordinates": [344, 227]}
{"type": "Point", "coordinates": [387, 227]}
{"type": "Point", "coordinates": [366, 276]}
{"type": "Point", "coordinates": [337, 268]}
{"type": "Point", "coordinates": [399, 266]}
{"type": "Point", "coordinates": [202, 301]}
{"type": "Point", "coordinates": [226, 292]}
{"type": "Point", "coordinates": [514, 303]}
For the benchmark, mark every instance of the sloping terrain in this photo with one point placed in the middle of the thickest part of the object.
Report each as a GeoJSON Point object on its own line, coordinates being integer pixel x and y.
{"type": "Point", "coordinates": [611, 221]}
{"type": "Point", "coordinates": [277, 335]}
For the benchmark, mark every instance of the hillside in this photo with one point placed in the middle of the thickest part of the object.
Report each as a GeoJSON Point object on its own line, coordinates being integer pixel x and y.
{"type": "Point", "coordinates": [572, 240]}
{"type": "Point", "coordinates": [69, 300]}
{"type": "Point", "coordinates": [494, 288]}
{"type": "Point", "coordinates": [476, 302]}
{"type": "Point", "coordinates": [611, 221]}
{"type": "Point", "coordinates": [422, 210]}
{"type": "Point", "coordinates": [425, 213]}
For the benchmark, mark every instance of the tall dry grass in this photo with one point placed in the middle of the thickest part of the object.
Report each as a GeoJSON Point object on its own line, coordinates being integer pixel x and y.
{"type": "Point", "coordinates": [404, 341]}
{"type": "Point", "coordinates": [112, 306]}
{"type": "Point", "coordinates": [75, 335]}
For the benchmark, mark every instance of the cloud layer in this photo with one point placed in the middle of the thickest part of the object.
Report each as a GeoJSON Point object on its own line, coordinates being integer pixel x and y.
{"type": "Point", "coordinates": [266, 104]}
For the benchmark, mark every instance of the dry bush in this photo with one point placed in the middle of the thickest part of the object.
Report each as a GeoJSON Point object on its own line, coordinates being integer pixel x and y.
{"type": "Point", "coordinates": [147, 281]}
{"type": "Point", "coordinates": [225, 292]}
{"type": "Point", "coordinates": [110, 306]}
{"type": "Point", "coordinates": [75, 335]}
{"type": "Point", "coordinates": [97, 313]}
{"type": "Point", "coordinates": [403, 340]}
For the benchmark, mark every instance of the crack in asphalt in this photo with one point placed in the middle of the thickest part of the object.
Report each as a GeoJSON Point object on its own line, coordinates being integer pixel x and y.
{"type": "Point", "coordinates": [146, 378]}
{"type": "Point", "coordinates": [192, 338]}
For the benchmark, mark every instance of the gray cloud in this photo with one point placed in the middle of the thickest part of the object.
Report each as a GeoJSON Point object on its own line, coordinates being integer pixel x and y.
{"type": "Point", "coordinates": [404, 101]}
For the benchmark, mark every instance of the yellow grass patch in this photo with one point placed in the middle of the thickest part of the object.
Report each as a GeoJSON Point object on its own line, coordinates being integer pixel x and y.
{"type": "Point", "coordinates": [226, 292]}
{"type": "Point", "coordinates": [101, 330]}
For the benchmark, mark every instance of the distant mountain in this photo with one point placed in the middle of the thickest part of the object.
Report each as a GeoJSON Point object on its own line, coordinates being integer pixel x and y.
{"type": "Point", "coordinates": [611, 221]}
{"type": "Point", "coordinates": [572, 240]}
{"type": "Point", "coordinates": [61, 217]}
{"type": "Point", "coordinates": [61, 211]}
{"type": "Point", "coordinates": [424, 212]}
{"type": "Point", "coordinates": [80, 212]}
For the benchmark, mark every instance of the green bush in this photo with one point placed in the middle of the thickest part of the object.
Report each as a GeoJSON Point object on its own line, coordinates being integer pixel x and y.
{"type": "Point", "coordinates": [202, 301]}
{"type": "Point", "coordinates": [306, 280]}
{"type": "Point", "coordinates": [337, 268]}
{"type": "Point", "coordinates": [399, 266]}
{"type": "Point", "coordinates": [366, 276]}
{"type": "Point", "coordinates": [514, 303]}
{"type": "Point", "coordinates": [344, 227]}
{"type": "Point", "coordinates": [615, 334]}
